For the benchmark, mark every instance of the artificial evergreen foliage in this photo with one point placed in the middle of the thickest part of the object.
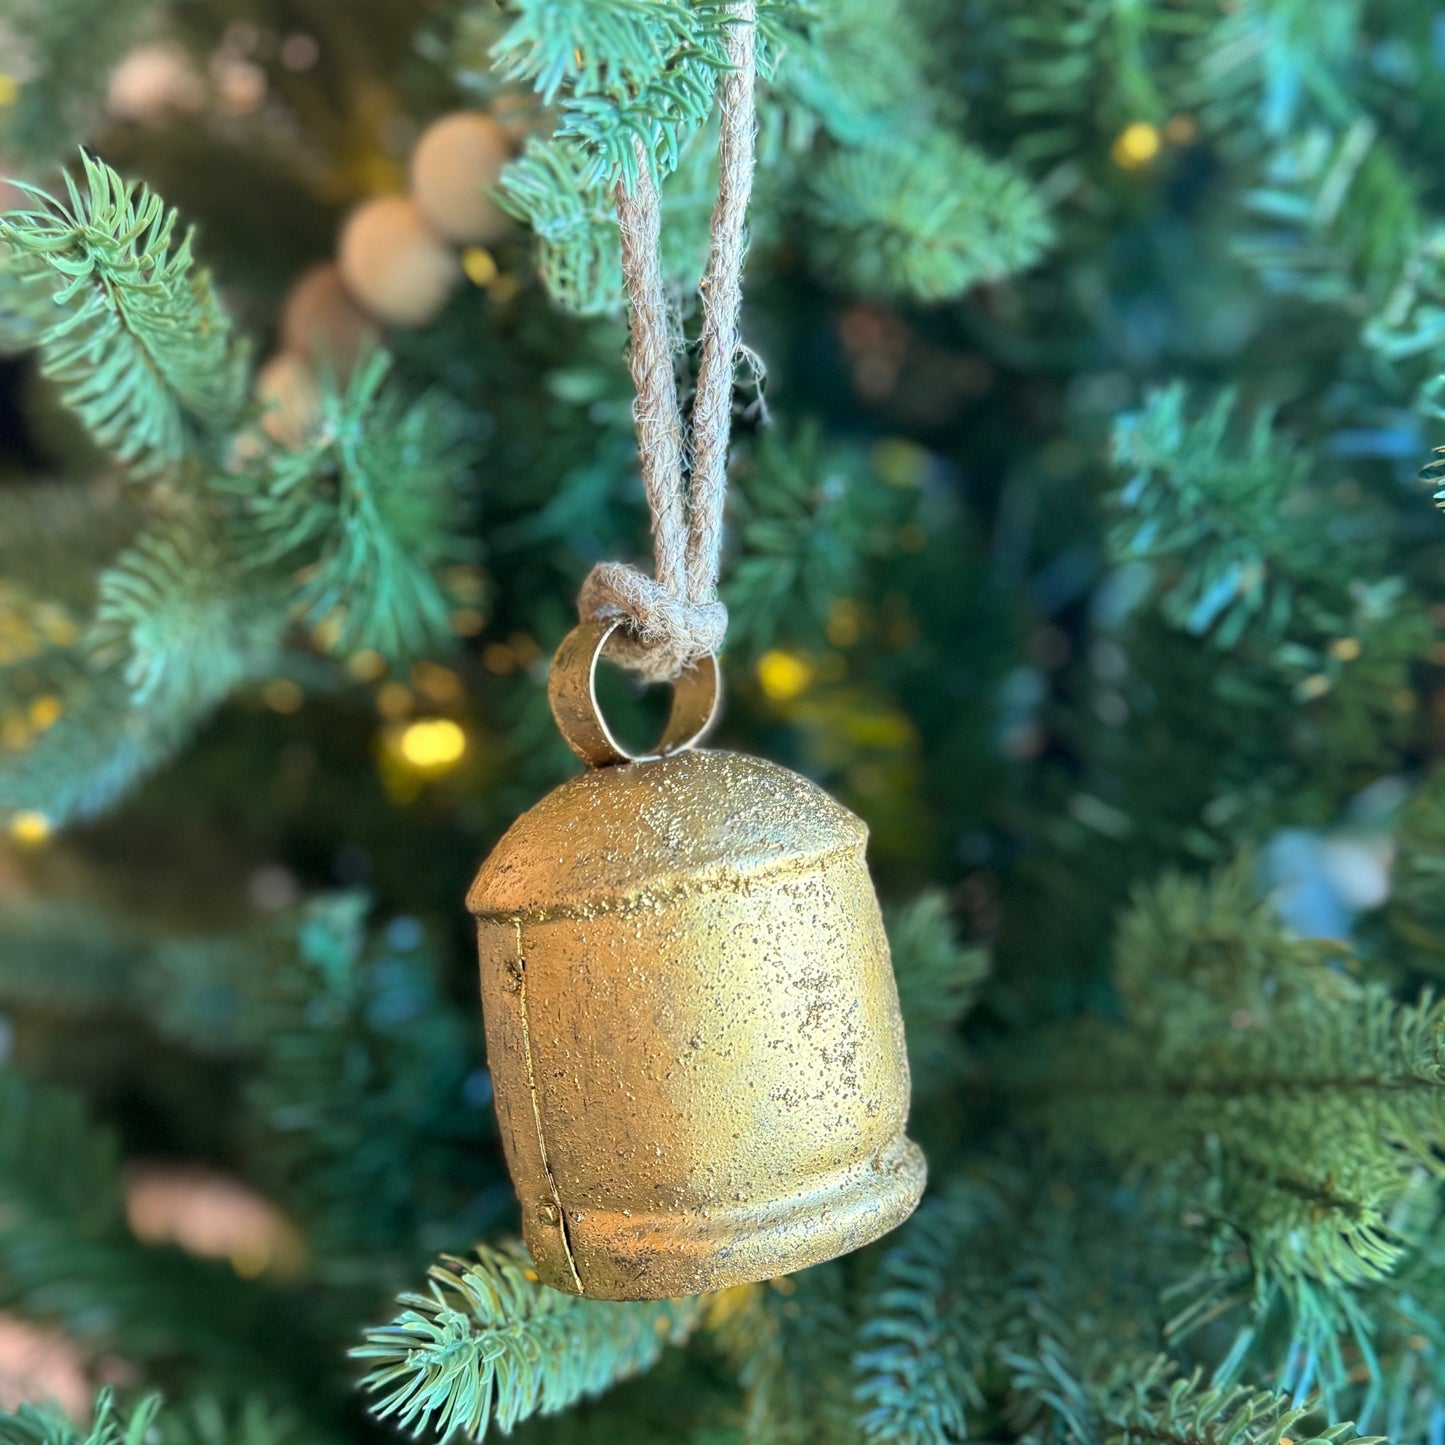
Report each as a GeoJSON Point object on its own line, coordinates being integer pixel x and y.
{"type": "Point", "coordinates": [1077, 540]}
{"type": "Point", "coordinates": [139, 346]}
{"type": "Point", "coordinates": [489, 1345]}
{"type": "Point", "coordinates": [368, 508]}
{"type": "Point", "coordinates": [927, 221]}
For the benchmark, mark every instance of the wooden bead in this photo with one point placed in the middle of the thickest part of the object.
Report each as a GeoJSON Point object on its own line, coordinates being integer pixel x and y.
{"type": "Point", "coordinates": [393, 265]}
{"type": "Point", "coordinates": [153, 83]}
{"type": "Point", "coordinates": [291, 399]}
{"type": "Point", "coordinates": [37, 1363]}
{"type": "Point", "coordinates": [322, 323]}
{"type": "Point", "coordinates": [454, 162]}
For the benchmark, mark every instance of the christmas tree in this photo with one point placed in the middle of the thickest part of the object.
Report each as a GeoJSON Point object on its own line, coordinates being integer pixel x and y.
{"type": "Point", "coordinates": [1076, 540]}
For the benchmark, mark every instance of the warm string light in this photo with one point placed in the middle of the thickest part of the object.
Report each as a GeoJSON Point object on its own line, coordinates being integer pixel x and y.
{"type": "Point", "coordinates": [31, 829]}
{"type": "Point", "coordinates": [784, 676]}
{"type": "Point", "coordinates": [433, 745]}
{"type": "Point", "coordinates": [1136, 145]}
{"type": "Point", "coordinates": [1141, 141]}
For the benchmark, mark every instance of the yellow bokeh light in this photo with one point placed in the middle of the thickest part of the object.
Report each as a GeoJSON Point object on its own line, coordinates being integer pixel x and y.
{"type": "Point", "coordinates": [283, 696]}
{"type": "Point", "coordinates": [900, 463]}
{"type": "Point", "coordinates": [1347, 649]}
{"type": "Point", "coordinates": [784, 675]}
{"type": "Point", "coordinates": [30, 829]}
{"type": "Point", "coordinates": [845, 622]}
{"type": "Point", "coordinates": [327, 633]}
{"type": "Point", "coordinates": [434, 743]}
{"type": "Point", "coordinates": [9, 90]}
{"type": "Point", "coordinates": [1136, 145]}
{"type": "Point", "coordinates": [366, 666]}
{"type": "Point", "coordinates": [480, 265]}
{"type": "Point", "coordinates": [1181, 129]}
{"type": "Point", "coordinates": [497, 657]}
{"type": "Point", "coordinates": [465, 583]}
{"type": "Point", "coordinates": [439, 684]}
{"type": "Point", "coordinates": [394, 700]}
{"type": "Point", "coordinates": [728, 1304]}
{"type": "Point", "coordinates": [45, 712]}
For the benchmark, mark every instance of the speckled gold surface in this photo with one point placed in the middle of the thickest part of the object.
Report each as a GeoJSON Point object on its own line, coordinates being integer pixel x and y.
{"type": "Point", "coordinates": [692, 1028]}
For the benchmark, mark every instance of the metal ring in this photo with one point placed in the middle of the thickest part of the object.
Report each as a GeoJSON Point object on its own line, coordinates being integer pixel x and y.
{"type": "Point", "coordinates": [572, 691]}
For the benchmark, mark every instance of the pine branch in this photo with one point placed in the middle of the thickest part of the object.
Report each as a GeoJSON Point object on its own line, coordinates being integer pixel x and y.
{"type": "Point", "coordinates": [554, 190]}
{"type": "Point", "coordinates": [631, 76]}
{"type": "Point", "coordinates": [97, 749]}
{"type": "Point", "coordinates": [363, 1089]}
{"type": "Point", "coordinates": [183, 622]}
{"type": "Point", "coordinates": [577, 44]}
{"type": "Point", "coordinates": [938, 983]}
{"type": "Point", "coordinates": [203, 1421]}
{"type": "Point", "coordinates": [209, 1420]}
{"type": "Point", "coordinates": [64, 958]}
{"type": "Point", "coordinates": [1218, 504]}
{"type": "Point", "coordinates": [489, 1345]}
{"type": "Point", "coordinates": [1415, 913]}
{"type": "Point", "coordinates": [1074, 72]}
{"type": "Point", "coordinates": [853, 71]}
{"type": "Point", "coordinates": [1268, 68]}
{"type": "Point", "coordinates": [808, 518]}
{"type": "Point", "coordinates": [1340, 221]}
{"type": "Point", "coordinates": [921, 1344]}
{"type": "Point", "coordinates": [75, 737]}
{"type": "Point", "coordinates": [1003, 1309]}
{"type": "Point", "coordinates": [789, 1341]}
{"type": "Point", "coordinates": [139, 345]}
{"type": "Point", "coordinates": [67, 1255]}
{"type": "Point", "coordinates": [1245, 553]}
{"type": "Point", "coordinates": [927, 220]}
{"type": "Point", "coordinates": [1298, 1109]}
{"type": "Point", "coordinates": [573, 222]}
{"type": "Point", "coordinates": [25, 305]}
{"type": "Point", "coordinates": [1189, 1412]}
{"type": "Point", "coordinates": [37, 1425]}
{"type": "Point", "coordinates": [54, 1164]}
{"type": "Point", "coordinates": [369, 513]}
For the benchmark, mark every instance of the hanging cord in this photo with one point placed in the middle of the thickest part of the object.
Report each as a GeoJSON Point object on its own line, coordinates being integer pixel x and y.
{"type": "Point", "coordinates": [674, 618]}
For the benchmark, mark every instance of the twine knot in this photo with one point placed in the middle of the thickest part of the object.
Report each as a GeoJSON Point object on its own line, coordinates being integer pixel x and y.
{"type": "Point", "coordinates": [665, 633]}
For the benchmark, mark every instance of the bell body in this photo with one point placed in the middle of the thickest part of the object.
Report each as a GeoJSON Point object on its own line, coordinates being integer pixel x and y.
{"type": "Point", "coordinates": [692, 1028]}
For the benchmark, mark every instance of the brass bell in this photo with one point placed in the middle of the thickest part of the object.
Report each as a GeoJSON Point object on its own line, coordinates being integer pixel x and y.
{"type": "Point", "coordinates": [692, 1023]}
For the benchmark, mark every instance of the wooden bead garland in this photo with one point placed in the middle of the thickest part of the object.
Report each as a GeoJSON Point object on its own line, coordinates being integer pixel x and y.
{"type": "Point", "coordinates": [396, 262]}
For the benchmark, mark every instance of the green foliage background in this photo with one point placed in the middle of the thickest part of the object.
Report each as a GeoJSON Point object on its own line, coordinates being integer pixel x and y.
{"type": "Point", "coordinates": [1078, 542]}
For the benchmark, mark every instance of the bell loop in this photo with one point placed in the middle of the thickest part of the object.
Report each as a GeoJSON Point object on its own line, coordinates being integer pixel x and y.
{"type": "Point", "coordinates": [572, 691]}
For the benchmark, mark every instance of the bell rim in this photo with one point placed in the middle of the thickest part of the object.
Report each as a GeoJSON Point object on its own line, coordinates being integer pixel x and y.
{"type": "Point", "coordinates": [860, 1205]}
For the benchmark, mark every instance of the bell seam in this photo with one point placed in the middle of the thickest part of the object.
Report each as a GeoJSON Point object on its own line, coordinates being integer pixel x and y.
{"type": "Point", "coordinates": [537, 1111]}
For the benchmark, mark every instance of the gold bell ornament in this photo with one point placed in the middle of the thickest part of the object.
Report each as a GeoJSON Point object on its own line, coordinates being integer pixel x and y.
{"type": "Point", "coordinates": [692, 1024]}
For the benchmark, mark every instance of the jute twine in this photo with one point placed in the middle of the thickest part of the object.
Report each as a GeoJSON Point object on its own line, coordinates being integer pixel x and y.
{"type": "Point", "coordinates": [674, 617]}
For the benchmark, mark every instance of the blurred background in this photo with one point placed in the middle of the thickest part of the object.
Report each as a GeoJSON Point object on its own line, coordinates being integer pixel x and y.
{"type": "Point", "coordinates": [1077, 541]}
